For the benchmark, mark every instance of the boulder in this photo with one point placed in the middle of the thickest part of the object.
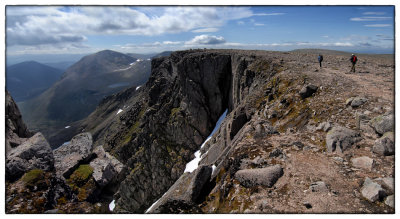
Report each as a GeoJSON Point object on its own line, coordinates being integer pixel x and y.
{"type": "Point", "coordinates": [356, 101]}
{"type": "Point", "coordinates": [387, 183]}
{"type": "Point", "coordinates": [319, 186]}
{"type": "Point", "coordinates": [383, 123]}
{"type": "Point", "coordinates": [340, 139]}
{"type": "Point", "coordinates": [390, 201]}
{"type": "Point", "coordinates": [372, 191]}
{"type": "Point", "coordinates": [262, 176]}
{"type": "Point", "coordinates": [325, 126]}
{"type": "Point", "coordinates": [363, 163]}
{"type": "Point", "coordinates": [384, 145]}
{"type": "Point", "coordinates": [105, 167]}
{"type": "Point", "coordinates": [68, 156]}
{"type": "Point", "coordinates": [184, 194]}
{"type": "Point", "coordinates": [35, 153]}
{"type": "Point", "coordinates": [275, 153]}
{"type": "Point", "coordinates": [308, 91]}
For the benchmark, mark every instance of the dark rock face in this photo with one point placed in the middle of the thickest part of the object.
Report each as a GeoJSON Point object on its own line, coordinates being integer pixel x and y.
{"type": "Point", "coordinates": [35, 153]}
{"type": "Point", "coordinates": [340, 138]}
{"type": "Point", "coordinates": [16, 130]}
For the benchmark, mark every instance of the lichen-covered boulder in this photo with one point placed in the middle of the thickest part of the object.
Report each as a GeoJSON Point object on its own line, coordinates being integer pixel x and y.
{"type": "Point", "coordinates": [308, 91]}
{"type": "Point", "coordinates": [35, 153]}
{"type": "Point", "coordinates": [340, 138]}
{"type": "Point", "coordinates": [383, 123]}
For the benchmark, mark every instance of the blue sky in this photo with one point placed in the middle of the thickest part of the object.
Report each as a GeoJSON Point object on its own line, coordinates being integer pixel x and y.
{"type": "Point", "coordinates": [82, 30]}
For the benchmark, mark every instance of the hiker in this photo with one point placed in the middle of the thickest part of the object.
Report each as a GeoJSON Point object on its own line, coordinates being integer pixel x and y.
{"type": "Point", "coordinates": [320, 59]}
{"type": "Point", "coordinates": [353, 61]}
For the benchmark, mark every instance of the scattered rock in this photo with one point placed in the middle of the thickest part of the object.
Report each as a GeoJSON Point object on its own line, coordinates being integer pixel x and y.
{"type": "Point", "coordinates": [318, 187]}
{"type": "Point", "coordinates": [363, 163]}
{"type": "Point", "coordinates": [308, 91]}
{"type": "Point", "coordinates": [275, 153]}
{"type": "Point", "coordinates": [372, 191]}
{"type": "Point", "coordinates": [390, 201]}
{"type": "Point", "coordinates": [383, 123]}
{"type": "Point", "coordinates": [384, 145]}
{"type": "Point", "coordinates": [298, 145]}
{"type": "Point", "coordinates": [262, 176]}
{"type": "Point", "coordinates": [35, 153]}
{"type": "Point", "coordinates": [340, 138]}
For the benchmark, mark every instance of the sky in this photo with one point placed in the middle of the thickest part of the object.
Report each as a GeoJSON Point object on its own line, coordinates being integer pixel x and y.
{"type": "Point", "coordinates": [52, 30]}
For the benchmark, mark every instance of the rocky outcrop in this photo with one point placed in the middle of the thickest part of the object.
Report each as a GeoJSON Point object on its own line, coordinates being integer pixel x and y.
{"type": "Point", "coordinates": [16, 130]}
{"type": "Point", "coordinates": [363, 162]}
{"type": "Point", "coordinates": [184, 194]}
{"type": "Point", "coordinates": [340, 139]}
{"type": "Point", "coordinates": [106, 169]}
{"type": "Point", "coordinates": [34, 153]}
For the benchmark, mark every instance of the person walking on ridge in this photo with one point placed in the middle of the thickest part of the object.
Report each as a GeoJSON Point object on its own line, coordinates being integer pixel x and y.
{"type": "Point", "coordinates": [353, 61]}
{"type": "Point", "coordinates": [320, 59]}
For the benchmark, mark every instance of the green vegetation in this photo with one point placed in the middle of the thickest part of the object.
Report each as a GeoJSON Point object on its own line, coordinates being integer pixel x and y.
{"type": "Point", "coordinates": [32, 177]}
{"type": "Point", "coordinates": [81, 175]}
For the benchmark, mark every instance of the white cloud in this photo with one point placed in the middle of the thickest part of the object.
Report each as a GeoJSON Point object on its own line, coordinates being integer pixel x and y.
{"type": "Point", "coordinates": [258, 24]}
{"type": "Point", "coordinates": [49, 25]}
{"type": "Point", "coordinates": [373, 13]}
{"type": "Point", "coordinates": [206, 30]}
{"type": "Point", "coordinates": [378, 25]}
{"type": "Point", "coordinates": [206, 40]}
{"type": "Point", "coordinates": [240, 22]}
{"type": "Point", "coordinates": [325, 36]}
{"type": "Point", "coordinates": [370, 18]}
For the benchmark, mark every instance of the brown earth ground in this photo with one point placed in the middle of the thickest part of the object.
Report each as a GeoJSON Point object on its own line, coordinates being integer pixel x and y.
{"type": "Point", "coordinates": [373, 79]}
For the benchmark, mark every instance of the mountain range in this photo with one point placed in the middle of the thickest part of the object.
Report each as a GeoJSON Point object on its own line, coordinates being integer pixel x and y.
{"type": "Point", "coordinates": [81, 87]}
{"type": "Point", "coordinates": [29, 79]}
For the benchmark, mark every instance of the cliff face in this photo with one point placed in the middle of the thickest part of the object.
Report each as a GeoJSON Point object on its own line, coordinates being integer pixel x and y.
{"type": "Point", "coordinates": [167, 120]}
{"type": "Point", "coordinates": [16, 130]}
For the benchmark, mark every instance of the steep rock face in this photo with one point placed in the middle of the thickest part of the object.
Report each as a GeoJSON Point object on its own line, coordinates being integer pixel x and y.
{"type": "Point", "coordinates": [16, 130]}
{"type": "Point", "coordinates": [169, 118]}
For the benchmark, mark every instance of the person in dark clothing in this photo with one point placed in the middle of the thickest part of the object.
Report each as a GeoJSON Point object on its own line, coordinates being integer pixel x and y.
{"type": "Point", "coordinates": [320, 59]}
{"type": "Point", "coordinates": [353, 61]}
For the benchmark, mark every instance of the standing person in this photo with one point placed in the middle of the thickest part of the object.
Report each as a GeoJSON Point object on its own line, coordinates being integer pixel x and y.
{"type": "Point", "coordinates": [320, 59]}
{"type": "Point", "coordinates": [353, 61]}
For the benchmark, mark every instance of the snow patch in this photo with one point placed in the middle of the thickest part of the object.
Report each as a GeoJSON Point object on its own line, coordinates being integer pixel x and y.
{"type": "Point", "coordinates": [132, 63]}
{"type": "Point", "coordinates": [148, 59]}
{"type": "Point", "coordinates": [67, 127]}
{"type": "Point", "coordinates": [192, 165]}
{"type": "Point", "coordinates": [139, 60]}
{"type": "Point", "coordinates": [111, 206]}
{"type": "Point", "coordinates": [213, 169]}
{"type": "Point", "coordinates": [119, 111]}
{"type": "Point", "coordinates": [137, 88]}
